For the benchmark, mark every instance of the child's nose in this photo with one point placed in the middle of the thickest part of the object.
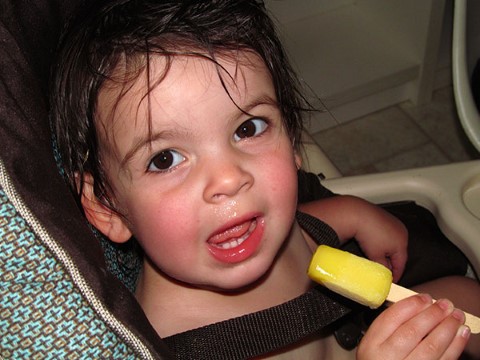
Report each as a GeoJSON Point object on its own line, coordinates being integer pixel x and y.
{"type": "Point", "coordinates": [226, 178]}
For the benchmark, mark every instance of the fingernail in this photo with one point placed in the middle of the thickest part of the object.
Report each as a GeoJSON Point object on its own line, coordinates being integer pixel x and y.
{"type": "Point", "coordinates": [463, 331]}
{"type": "Point", "coordinates": [459, 315]}
{"type": "Point", "coordinates": [445, 305]}
{"type": "Point", "coordinates": [426, 298]}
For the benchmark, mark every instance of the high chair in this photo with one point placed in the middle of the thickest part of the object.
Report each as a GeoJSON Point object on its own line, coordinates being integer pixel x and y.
{"type": "Point", "coordinates": [450, 192]}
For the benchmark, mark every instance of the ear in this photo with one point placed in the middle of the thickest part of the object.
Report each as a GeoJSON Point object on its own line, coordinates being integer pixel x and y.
{"type": "Point", "coordinates": [298, 159]}
{"type": "Point", "coordinates": [106, 220]}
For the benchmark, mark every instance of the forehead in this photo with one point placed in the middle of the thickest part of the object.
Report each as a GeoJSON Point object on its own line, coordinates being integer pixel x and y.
{"type": "Point", "coordinates": [178, 82]}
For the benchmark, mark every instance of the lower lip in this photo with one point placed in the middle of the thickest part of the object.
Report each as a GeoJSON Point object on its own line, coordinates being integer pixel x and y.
{"type": "Point", "coordinates": [244, 250]}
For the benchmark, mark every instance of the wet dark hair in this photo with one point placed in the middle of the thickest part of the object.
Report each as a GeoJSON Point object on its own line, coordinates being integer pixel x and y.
{"type": "Point", "coordinates": [127, 32]}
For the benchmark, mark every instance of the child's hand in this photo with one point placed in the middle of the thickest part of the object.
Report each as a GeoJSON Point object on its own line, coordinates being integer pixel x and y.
{"type": "Point", "coordinates": [383, 238]}
{"type": "Point", "coordinates": [415, 328]}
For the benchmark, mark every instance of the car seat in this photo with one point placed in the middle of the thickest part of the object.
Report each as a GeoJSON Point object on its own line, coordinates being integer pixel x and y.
{"type": "Point", "coordinates": [58, 297]}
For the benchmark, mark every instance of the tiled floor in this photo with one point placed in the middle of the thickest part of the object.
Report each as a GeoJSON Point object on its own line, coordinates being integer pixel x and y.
{"type": "Point", "coordinates": [399, 137]}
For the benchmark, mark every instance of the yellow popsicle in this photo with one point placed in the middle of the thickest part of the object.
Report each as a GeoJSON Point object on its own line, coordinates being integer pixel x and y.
{"type": "Point", "coordinates": [354, 277]}
{"type": "Point", "coordinates": [362, 280]}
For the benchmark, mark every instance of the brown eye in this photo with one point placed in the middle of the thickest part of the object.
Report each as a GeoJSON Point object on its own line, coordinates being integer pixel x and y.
{"type": "Point", "coordinates": [250, 128]}
{"type": "Point", "coordinates": [165, 160]}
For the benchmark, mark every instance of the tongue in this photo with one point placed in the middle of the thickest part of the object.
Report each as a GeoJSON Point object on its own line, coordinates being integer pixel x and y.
{"type": "Point", "coordinates": [232, 233]}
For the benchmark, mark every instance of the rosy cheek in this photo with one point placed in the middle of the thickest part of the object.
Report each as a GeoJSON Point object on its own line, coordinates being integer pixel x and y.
{"type": "Point", "coordinates": [163, 239]}
{"type": "Point", "coordinates": [282, 173]}
{"type": "Point", "coordinates": [165, 222]}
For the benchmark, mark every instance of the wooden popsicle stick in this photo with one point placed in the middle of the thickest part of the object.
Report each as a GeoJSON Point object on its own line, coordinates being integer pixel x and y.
{"type": "Point", "coordinates": [398, 293]}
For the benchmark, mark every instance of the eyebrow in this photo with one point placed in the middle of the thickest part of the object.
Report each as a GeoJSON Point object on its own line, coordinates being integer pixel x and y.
{"type": "Point", "coordinates": [146, 141]}
{"type": "Point", "coordinates": [258, 101]}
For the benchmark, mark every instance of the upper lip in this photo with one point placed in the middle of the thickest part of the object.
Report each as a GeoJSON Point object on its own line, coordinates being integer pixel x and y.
{"type": "Point", "coordinates": [230, 226]}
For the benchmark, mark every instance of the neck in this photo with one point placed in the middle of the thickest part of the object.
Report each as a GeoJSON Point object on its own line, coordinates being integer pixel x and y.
{"type": "Point", "coordinates": [174, 307]}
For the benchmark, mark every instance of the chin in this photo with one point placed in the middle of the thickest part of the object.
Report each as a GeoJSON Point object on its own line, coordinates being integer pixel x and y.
{"type": "Point", "coordinates": [242, 280]}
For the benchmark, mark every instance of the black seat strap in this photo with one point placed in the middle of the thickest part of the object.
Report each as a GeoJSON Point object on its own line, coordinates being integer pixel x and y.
{"type": "Point", "coordinates": [260, 332]}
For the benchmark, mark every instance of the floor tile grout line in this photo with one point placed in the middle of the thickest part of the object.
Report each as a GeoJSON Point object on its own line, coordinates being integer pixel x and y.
{"type": "Point", "coordinates": [410, 112]}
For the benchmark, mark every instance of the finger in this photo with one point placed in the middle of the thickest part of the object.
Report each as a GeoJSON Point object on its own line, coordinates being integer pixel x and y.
{"type": "Point", "coordinates": [386, 260]}
{"type": "Point", "coordinates": [389, 321]}
{"type": "Point", "coordinates": [382, 259]}
{"type": "Point", "coordinates": [394, 260]}
{"type": "Point", "coordinates": [411, 333]}
{"type": "Point", "coordinates": [398, 261]}
{"type": "Point", "coordinates": [444, 340]}
{"type": "Point", "coordinates": [457, 346]}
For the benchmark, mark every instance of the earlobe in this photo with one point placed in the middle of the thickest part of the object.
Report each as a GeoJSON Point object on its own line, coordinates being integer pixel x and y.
{"type": "Point", "coordinates": [106, 220]}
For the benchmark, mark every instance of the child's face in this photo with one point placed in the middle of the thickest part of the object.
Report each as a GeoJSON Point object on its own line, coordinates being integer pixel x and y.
{"type": "Point", "coordinates": [211, 195]}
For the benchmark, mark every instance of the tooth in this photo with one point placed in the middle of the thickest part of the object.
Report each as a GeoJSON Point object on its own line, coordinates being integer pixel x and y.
{"type": "Point", "coordinates": [236, 242]}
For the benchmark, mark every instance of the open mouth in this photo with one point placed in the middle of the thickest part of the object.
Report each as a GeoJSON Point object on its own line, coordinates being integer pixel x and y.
{"type": "Point", "coordinates": [238, 242]}
{"type": "Point", "coordinates": [233, 238]}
